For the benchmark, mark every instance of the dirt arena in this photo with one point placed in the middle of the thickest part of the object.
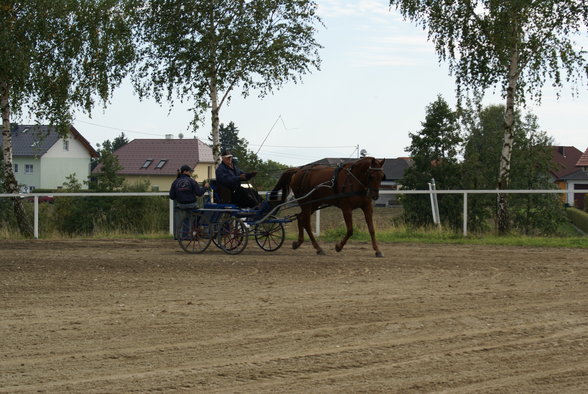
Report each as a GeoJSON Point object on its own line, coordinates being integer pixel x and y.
{"type": "Point", "coordinates": [143, 316]}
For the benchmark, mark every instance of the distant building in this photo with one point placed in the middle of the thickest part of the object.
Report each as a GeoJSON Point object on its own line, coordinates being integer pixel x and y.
{"type": "Point", "coordinates": [158, 160]}
{"type": "Point", "coordinates": [571, 173]}
{"type": "Point", "coordinates": [43, 159]}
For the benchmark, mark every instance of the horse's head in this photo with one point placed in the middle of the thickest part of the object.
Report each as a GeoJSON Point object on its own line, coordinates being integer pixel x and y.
{"type": "Point", "coordinates": [370, 173]}
{"type": "Point", "coordinates": [375, 176]}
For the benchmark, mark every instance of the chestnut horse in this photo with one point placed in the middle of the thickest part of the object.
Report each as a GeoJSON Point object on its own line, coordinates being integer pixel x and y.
{"type": "Point", "coordinates": [350, 186]}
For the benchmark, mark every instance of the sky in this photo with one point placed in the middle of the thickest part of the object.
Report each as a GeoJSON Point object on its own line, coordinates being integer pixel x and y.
{"type": "Point", "coordinates": [377, 76]}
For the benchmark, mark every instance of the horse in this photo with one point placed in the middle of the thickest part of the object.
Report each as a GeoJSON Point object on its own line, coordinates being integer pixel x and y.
{"type": "Point", "coordinates": [349, 186]}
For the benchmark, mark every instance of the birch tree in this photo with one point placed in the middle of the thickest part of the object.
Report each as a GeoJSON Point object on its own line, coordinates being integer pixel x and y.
{"type": "Point", "coordinates": [514, 46]}
{"type": "Point", "coordinates": [202, 51]}
{"type": "Point", "coordinates": [57, 56]}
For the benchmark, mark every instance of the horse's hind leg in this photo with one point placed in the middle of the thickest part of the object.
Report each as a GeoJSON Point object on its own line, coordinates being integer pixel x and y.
{"type": "Point", "coordinates": [348, 216]}
{"type": "Point", "coordinates": [299, 221]}
{"type": "Point", "coordinates": [368, 212]}
{"type": "Point", "coordinates": [308, 228]}
{"type": "Point", "coordinates": [304, 224]}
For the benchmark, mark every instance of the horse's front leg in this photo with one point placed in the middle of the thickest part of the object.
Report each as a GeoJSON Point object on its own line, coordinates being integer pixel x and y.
{"type": "Point", "coordinates": [348, 217]}
{"type": "Point", "coordinates": [368, 212]}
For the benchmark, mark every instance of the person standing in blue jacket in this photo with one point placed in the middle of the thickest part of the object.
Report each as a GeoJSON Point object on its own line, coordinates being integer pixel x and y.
{"type": "Point", "coordinates": [185, 189]}
{"type": "Point", "coordinates": [230, 176]}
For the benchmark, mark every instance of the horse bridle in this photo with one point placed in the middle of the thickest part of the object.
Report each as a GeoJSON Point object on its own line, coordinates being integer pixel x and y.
{"type": "Point", "coordinates": [370, 171]}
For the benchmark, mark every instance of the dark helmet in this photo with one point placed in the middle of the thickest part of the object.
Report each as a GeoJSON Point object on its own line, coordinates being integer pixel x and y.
{"type": "Point", "coordinates": [185, 167]}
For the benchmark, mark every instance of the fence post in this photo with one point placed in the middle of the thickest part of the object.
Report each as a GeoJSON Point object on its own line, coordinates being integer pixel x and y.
{"type": "Point", "coordinates": [171, 217]}
{"type": "Point", "coordinates": [317, 227]}
{"type": "Point", "coordinates": [465, 214]}
{"type": "Point", "coordinates": [434, 203]}
{"type": "Point", "coordinates": [36, 217]}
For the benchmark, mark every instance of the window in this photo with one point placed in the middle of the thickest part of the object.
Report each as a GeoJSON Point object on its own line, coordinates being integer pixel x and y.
{"type": "Point", "coordinates": [147, 163]}
{"type": "Point", "coordinates": [28, 168]}
{"type": "Point", "coordinates": [154, 188]}
{"type": "Point", "coordinates": [15, 167]}
{"type": "Point", "coordinates": [66, 145]}
{"type": "Point", "coordinates": [161, 163]}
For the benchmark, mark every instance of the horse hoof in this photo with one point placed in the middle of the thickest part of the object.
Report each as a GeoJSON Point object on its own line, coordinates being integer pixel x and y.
{"type": "Point", "coordinates": [379, 254]}
{"type": "Point", "coordinates": [338, 248]}
{"type": "Point", "coordinates": [320, 252]}
{"type": "Point", "coordinates": [295, 245]}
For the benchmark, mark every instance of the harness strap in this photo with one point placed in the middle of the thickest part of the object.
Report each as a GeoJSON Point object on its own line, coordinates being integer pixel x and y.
{"type": "Point", "coordinates": [334, 177]}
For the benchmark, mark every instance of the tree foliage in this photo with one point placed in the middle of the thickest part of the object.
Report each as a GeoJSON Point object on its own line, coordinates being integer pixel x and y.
{"type": "Point", "coordinates": [531, 158]}
{"type": "Point", "coordinates": [109, 147]}
{"type": "Point", "coordinates": [229, 140]}
{"type": "Point", "coordinates": [434, 150]}
{"type": "Point", "coordinates": [107, 179]}
{"type": "Point", "coordinates": [57, 56]}
{"type": "Point", "coordinates": [516, 46]}
{"type": "Point", "coordinates": [201, 51]}
{"type": "Point", "coordinates": [479, 37]}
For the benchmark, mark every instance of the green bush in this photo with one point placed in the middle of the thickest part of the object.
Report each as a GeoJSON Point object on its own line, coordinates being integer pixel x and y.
{"type": "Point", "coordinates": [579, 218]}
{"type": "Point", "coordinates": [117, 214]}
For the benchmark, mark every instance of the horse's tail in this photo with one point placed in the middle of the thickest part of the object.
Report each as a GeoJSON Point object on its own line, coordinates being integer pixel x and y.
{"type": "Point", "coordinates": [284, 184]}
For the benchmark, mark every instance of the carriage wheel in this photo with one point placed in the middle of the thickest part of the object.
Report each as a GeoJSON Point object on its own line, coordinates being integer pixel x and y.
{"type": "Point", "coordinates": [221, 218]}
{"type": "Point", "coordinates": [194, 235]}
{"type": "Point", "coordinates": [270, 236]}
{"type": "Point", "coordinates": [232, 235]}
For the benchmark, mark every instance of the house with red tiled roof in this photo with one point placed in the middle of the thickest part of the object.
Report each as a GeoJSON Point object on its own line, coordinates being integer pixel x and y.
{"type": "Point", "coordinates": [158, 160]}
{"type": "Point", "coordinates": [571, 173]}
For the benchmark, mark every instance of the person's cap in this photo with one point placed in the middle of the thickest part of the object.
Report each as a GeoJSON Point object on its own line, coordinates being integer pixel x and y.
{"type": "Point", "coordinates": [226, 153]}
{"type": "Point", "coordinates": [185, 167]}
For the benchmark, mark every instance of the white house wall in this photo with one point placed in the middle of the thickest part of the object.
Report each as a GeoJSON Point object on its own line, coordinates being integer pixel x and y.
{"type": "Point", "coordinates": [27, 179]}
{"type": "Point", "coordinates": [76, 150]}
{"type": "Point", "coordinates": [59, 163]}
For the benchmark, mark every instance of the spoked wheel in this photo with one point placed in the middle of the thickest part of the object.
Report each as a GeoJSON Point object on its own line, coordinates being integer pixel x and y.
{"type": "Point", "coordinates": [232, 235]}
{"type": "Point", "coordinates": [195, 235]}
{"type": "Point", "coordinates": [270, 236]}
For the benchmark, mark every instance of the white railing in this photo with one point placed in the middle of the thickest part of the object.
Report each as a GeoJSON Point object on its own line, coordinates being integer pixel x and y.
{"type": "Point", "coordinates": [114, 194]}
{"type": "Point", "coordinates": [465, 194]}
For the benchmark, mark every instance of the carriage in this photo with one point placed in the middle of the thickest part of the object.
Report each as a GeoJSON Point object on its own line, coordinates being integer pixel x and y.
{"type": "Point", "coordinates": [229, 227]}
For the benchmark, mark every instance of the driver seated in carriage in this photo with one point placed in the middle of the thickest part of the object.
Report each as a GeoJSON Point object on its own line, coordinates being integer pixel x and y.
{"type": "Point", "coordinates": [229, 177]}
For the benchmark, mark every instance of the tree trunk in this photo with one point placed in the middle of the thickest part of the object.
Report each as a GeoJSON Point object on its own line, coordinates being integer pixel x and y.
{"type": "Point", "coordinates": [215, 121]}
{"type": "Point", "coordinates": [10, 184]}
{"type": "Point", "coordinates": [502, 216]}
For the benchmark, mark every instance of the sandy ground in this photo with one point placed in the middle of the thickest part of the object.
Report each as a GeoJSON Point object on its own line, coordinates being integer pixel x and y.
{"type": "Point", "coordinates": [143, 316]}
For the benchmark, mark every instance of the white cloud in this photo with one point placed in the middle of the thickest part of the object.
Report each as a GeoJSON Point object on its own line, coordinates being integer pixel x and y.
{"type": "Point", "coordinates": [359, 8]}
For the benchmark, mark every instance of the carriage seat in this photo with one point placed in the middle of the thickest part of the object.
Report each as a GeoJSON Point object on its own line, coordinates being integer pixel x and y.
{"type": "Point", "coordinates": [221, 193]}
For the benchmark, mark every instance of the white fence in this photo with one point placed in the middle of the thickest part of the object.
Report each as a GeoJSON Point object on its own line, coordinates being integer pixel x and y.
{"type": "Point", "coordinates": [121, 194]}
{"type": "Point", "coordinates": [465, 194]}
